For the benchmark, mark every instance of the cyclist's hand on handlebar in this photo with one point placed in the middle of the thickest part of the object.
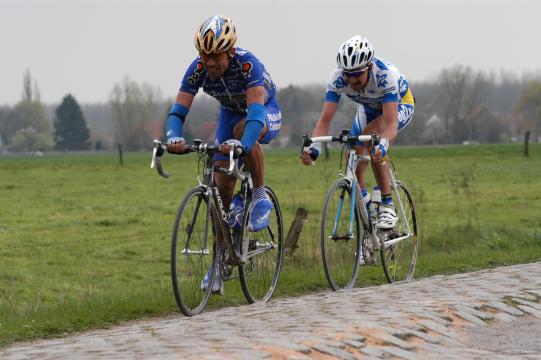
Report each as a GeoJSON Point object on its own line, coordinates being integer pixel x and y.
{"type": "Point", "coordinates": [309, 156]}
{"type": "Point", "coordinates": [176, 146]}
{"type": "Point", "coordinates": [379, 152]}
{"type": "Point", "coordinates": [238, 151]}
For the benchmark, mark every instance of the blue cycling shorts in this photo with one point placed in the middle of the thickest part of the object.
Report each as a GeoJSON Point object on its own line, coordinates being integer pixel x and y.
{"type": "Point", "coordinates": [228, 120]}
{"type": "Point", "coordinates": [365, 115]}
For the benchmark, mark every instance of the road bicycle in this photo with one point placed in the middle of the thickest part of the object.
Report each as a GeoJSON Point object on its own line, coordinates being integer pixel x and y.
{"type": "Point", "coordinates": [349, 235]}
{"type": "Point", "coordinates": [202, 218]}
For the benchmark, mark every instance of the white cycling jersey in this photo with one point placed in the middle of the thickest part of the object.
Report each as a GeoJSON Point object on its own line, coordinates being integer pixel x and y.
{"type": "Point", "coordinates": [385, 84]}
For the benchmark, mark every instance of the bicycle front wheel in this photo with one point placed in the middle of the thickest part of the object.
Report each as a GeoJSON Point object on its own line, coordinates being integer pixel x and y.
{"type": "Point", "coordinates": [340, 237]}
{"type": "Point", "coordinates": [259, 275]}
{"type": "Point", "coordinates": [192, 252]}
{"type": "Point", "coordinates": [399, 255]}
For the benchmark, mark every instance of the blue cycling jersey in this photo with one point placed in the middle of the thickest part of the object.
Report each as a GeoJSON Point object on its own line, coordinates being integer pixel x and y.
{"type": "Point", "coordinates": [244, 72]}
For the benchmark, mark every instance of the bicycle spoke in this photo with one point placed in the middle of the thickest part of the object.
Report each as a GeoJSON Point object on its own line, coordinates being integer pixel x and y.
{"type": "Point", "coordinates": [190, 256]}
{"type": "Point", "coordinates": [340, 237]}
{"type": "Point", "coordinates": [399, 259]}
{"type": "Point", "coordinates": [259, 275]}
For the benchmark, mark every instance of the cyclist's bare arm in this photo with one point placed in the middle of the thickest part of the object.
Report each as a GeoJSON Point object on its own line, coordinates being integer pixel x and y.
{"type": "Point", "coordinates": [322, 127]}
{"type": "Point", "coordinates": [324, 123]}
{"type": "Point", "coordinates": [385, 126]}
{"type": "Point", "coordinates": [185, 99]}
{"type": "Point", "coordinates": [255, 95]}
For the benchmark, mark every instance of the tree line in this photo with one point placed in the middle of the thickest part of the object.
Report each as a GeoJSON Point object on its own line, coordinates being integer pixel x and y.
{"type": "Point", "coordinates": [459, 105]}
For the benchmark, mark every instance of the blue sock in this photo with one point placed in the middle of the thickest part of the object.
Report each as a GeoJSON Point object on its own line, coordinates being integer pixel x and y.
{"type": "Point", "coordinates": [387, 199]}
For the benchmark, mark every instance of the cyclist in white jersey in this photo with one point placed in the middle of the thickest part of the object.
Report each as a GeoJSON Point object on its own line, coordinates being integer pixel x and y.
{"type": "Point", "coordinates": [385, 106]}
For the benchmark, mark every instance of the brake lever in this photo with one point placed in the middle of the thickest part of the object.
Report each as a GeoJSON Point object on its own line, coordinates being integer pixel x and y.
{"type": "Point", "coordinates": [157, 153]}
{"type": "Point", "coordinates": [306, 142]}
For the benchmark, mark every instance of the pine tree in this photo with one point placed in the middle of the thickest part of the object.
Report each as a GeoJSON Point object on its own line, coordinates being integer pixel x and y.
{"type": "Point", "coordinates": [71, 132]}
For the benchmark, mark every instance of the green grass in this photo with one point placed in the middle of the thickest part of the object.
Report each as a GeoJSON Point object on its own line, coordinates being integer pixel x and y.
{"type": "Point", "coordinates": [84, 243]}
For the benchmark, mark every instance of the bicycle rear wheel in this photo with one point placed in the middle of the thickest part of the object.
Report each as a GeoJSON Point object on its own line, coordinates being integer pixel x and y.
{"type": "Point", "coordinates": [340, 240]}
{"type": "Point", "coordinates": [259, 275]}
{"type": "Point", "coordinates": [399, 255]}
{"type": "Point", "coordinates": [192, 251]}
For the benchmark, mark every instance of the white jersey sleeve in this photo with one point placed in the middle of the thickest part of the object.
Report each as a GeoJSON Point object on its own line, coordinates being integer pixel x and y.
{"type": "Point", "coordinates": [336, 86]}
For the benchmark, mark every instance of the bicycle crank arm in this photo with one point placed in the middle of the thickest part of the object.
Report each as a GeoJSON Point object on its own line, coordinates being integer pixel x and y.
{"type": "Point", "coordinates": [195, 252]}
{"type": "Point", "coordinates": [261, 248]}
{"type": "Point", "coordinates": [391, 242]}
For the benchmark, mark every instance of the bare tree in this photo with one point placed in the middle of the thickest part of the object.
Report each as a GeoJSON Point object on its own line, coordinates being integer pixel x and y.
{"type": "Point", "coordinates": [529, 104]}
{"type": "Point", "coordinates": [460, 92]}
{"type": "Point", "coordinates": [136, 111]}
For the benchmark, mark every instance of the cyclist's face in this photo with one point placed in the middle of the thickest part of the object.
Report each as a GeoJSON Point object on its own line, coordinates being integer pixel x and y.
{"type": "Point", "coordinates": [215, 64]}
{"type": "Point", "coordinates": [357, 80]}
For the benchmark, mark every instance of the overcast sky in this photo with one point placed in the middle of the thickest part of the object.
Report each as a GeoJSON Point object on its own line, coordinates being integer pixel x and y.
{"type": "Point", "coordinates": [84, 47]}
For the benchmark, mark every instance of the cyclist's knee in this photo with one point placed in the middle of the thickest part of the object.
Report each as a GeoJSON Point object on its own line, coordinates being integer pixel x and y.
{"type": "Point", "coordinates": [239, 129]}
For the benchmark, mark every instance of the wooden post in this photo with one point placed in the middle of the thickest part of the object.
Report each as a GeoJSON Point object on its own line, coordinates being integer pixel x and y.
{"type": "Point", "coordinates": [526, 140]}
{"type": "Point", "coordinates": [295, 231]}
{"type": "Point", "coordinates": [120, 154]}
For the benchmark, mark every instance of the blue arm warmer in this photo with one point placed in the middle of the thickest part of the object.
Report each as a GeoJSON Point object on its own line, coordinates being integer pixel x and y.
{"type": "Point", "coordinates": [175, 121]}
{"type": "Point", "coordinates": [255, 120]}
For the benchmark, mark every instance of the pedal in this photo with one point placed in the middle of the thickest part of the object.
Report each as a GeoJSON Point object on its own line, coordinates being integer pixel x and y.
{"type": "Point", "coordinates": [227, 273]}
{"type": "Point", "coordinates": [252, 245]}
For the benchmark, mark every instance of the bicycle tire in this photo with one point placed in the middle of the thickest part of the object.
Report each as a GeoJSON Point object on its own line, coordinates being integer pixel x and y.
{"type": "Point", "coordinates": [340, 252]}
{"type": "Point", "coordinates": [259, 275]}
{"type": "Point", "coordinates": [194, 230]}
{"type": "Point", "coordinates": [399, 260]}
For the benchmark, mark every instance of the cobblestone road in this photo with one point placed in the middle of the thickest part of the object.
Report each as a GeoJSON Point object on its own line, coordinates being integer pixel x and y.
{"type": "Point", "coordinates": [448, 317]}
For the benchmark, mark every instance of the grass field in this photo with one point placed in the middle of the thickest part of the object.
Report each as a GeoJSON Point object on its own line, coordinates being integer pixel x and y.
{"type": "Point", "coordinates": [84, 242]}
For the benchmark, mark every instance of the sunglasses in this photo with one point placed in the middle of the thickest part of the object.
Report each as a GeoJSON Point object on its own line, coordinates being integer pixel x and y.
{"type": "Point", "coordinates": [355, 73]}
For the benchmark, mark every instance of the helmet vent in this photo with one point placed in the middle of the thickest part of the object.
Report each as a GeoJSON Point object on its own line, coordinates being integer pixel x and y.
{"type": "Point", "coordinates": [208, 43]}
{"type": "Point", "coordinates": [362, 57]}
{"type": "Point", "coordinates": [345, 60]}
{"type": "Point", "coordinates": [219, 46]}
{"type": "Point", "coordinates": [350, 50]}
{"type": "Point", "coordinates": [226, 30]}
{"type": "Point", "coordinates": [227, 44]}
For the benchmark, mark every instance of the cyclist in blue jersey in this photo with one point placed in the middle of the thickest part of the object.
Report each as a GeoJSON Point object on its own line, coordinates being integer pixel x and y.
{"type": "Point", "coordinates": [385, 106]}
{"type": "Point", "coordinates": [249, 116]}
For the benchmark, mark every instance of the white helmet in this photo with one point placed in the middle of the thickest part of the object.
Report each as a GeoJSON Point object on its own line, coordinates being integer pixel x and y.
{"type": "Point", "coordinates": [355, 54]}
{"type": "Point", "coordinates": [216, 34]}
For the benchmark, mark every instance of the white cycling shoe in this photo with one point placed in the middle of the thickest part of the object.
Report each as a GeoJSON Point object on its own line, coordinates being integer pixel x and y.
{"type": "Point", "coordinates": [386, 217]}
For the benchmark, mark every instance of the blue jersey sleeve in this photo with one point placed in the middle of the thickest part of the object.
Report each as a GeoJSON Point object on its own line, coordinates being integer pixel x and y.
{"type": "Point", "coordinates": [332, 96]}
{"type": "Point", "coordinates": [253, 71]}
{"type": "Point", "coordinates": [193, 78]}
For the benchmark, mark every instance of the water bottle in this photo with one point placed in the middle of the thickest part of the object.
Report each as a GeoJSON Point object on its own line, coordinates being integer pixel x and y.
{"type": "Point", "coordinates": [369, 204]}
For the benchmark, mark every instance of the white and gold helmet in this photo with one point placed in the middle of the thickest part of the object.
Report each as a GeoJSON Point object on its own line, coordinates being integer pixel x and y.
{"type": "Point", "coordinates": [215, 35]}
{"type": "Point", "coordinates": [355, 54]}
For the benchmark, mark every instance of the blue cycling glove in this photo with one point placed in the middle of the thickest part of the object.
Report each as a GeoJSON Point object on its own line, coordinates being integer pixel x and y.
{"type": "Point", "coordinates": [314, 150]}
{"type": "Point", "coordinates": [383, 147]}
